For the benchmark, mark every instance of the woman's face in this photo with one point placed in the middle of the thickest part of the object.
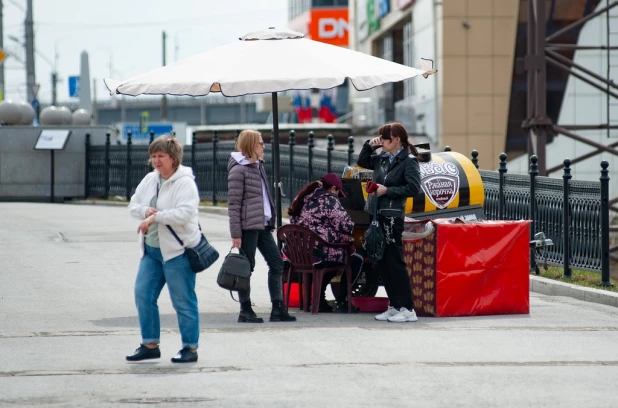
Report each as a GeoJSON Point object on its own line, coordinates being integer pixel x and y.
{"type": "Point", "coordinates": [390, 145]}
{"type": "Point", "coordinates": [259, 148]}
{"type": "Point", "coordinates": [163, 162]}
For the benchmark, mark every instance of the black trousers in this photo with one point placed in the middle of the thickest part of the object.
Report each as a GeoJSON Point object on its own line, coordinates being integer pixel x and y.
{"type": "Point", "coordinates": [263, 241]}
{"type": "Point", "coordinates": [392, 267]}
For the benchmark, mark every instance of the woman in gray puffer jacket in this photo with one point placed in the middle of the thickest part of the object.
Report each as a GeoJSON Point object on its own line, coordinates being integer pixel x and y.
{"type": "Point", "coordinates": [252, 219]}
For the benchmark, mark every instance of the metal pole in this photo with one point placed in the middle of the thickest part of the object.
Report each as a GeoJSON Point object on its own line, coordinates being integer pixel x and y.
{"type": "Point", "coordinates": [541, 87]}
{"type": "Point", "coordinates": [534, 171]}
{"type": "Point", "coordinates": [51, 196]}
{"type": "Point", "coordinates": [164, 99]}
{"type": "Point", "coordinates": [30, 71]}
{"type": "Point", "coordinates": [106, 166]}
{"type": "Point", "coordinates": [87, 174]}
{"type": "Point", "coordinates": [215, 142]}
{"type": "Point", "coordinates": [350, 149]}
{"type": "Point", "coordinates": [329, 153]}
{"type": "Point", "coordinates": [501, 201]}
{"type": "Point", "coordinates": [278, 185]}
{"type": "Point", "coordinates": [605, 281]}
{"type": "Point", "coordinates": [193, 161]}
{"type": "Point", "coordinates": [310, 146]}
{"type": "Point", "coordinates": [128, 168]}
{"type": "Point", "coordinates": [566, 220]}
{"type": "Point", "coordinates": [291, 144]}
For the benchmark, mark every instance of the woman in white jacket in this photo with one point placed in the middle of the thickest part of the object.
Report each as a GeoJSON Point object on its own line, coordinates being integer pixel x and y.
{"type": "Point", "coordinates": [166, 196]}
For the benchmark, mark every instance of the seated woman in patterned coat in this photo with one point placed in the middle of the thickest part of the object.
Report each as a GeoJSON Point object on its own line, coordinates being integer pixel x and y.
{"type": "Point", "coordinates": [317, 207]}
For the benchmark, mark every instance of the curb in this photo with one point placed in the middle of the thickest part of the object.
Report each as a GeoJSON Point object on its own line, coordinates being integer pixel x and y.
{"type": "Point", "coordinates": [551, 287]}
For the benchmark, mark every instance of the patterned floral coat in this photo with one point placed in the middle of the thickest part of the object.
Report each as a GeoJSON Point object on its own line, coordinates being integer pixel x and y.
{"type": "Point", "coordinates": [323, 213]}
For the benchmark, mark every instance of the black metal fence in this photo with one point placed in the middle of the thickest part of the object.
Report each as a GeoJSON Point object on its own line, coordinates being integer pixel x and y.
{"type": "Point", "coordinates": [116, 170]}
{"type": "Point", "coordinates": [579, 230]}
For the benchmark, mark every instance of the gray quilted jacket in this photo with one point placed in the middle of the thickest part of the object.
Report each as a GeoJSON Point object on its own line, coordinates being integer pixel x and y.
{"type": "Point", "coordinates": [246, 199]}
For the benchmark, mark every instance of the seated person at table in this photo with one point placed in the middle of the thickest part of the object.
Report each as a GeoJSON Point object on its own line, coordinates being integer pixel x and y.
{"type": "Point", "coordinates": [317, 207]}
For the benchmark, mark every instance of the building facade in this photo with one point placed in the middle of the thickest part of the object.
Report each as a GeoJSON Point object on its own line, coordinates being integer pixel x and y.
{"type": "Point", "coordinates": [478, 98]}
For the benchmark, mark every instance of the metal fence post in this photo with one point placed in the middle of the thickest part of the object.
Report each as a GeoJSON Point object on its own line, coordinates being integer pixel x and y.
{"type": "Point", "coordinates": [193, 158]}
{"type": "Point", "coordinates": [272, 161]}
{"type": "Point", "coordinates": [310, 146]}
{"type": "Point", "coordinates": [87, 166]}
{"type": "Point", "coordinates": [605, 281]}
{"type": "Point", "coordinates": [447, 148]}
{"type": "Point", "coordinates": [291, 143]}
{"type": "Point", "coordinates": [566, 219]}
{"type": "Point", "coordinates": [501, 201]}
{"type": "Point", "coordinates": [128, 168]}
{"type": "Point", "coordinates": [350, 149]}
{"type": "Point", "coordinates": [106, 166]}
{"type": "Point", "coordinates": [151, 136]}
{"type": "Point", "coordinates": [215, 142]}
{"type": "Point", "coordinates": [534, 171]}
{"type": "Point", "coordinates": [475, 158]}
{"type": "Point", "coordinates": [329, 153]}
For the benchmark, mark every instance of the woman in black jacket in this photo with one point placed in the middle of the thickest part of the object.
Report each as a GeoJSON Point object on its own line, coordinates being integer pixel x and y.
{"type": "Point", "coordinates": [397, 174]}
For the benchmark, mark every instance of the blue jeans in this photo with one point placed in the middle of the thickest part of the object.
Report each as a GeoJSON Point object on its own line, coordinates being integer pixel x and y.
{"type": "Point", "coordinates": [263, 241]}
{"type": "Point", "coordinates": [152, 275]}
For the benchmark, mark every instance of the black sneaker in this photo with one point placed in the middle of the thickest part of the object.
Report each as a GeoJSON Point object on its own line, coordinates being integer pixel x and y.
{"type": "Point", "coordinates": [145, 353]}
{"type": "Point", "coordinates": [185, 356]}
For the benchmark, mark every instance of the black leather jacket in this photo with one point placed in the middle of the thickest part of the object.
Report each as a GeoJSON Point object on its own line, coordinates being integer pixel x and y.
{"type": "Point", "coordinates": [402, 178]}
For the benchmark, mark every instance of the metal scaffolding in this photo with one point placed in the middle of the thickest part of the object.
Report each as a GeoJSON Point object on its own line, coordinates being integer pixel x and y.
{"type": "Point", "coordinates": [543, 49]}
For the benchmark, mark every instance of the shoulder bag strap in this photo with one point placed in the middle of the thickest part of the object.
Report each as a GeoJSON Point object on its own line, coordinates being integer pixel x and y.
{"type": "Point", "coordinates": [170, 228]}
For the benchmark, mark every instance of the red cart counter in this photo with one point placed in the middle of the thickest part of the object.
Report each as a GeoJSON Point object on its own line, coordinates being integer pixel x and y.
{"type": "Point", "coordinates": [468, 269]}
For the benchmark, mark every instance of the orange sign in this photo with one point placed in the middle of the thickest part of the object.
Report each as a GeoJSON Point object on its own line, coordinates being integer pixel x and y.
{"type": "Point", "coordinates": [329, 25]}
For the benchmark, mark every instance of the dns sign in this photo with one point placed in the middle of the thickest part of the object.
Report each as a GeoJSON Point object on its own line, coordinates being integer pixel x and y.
{"type": "Point", "coordinates": [329, 26]}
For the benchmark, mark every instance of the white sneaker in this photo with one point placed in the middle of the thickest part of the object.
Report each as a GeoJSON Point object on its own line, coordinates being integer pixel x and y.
{"type": "Point", "coordinates": [404, 315]}
{"type": "Point", "coordinates": [390, 312]}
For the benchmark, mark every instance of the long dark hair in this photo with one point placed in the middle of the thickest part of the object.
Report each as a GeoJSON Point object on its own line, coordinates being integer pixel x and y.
{"type": "Point", "coordinates": [297, 205]}
{"type": "Point", "coordinates": [396, 129]}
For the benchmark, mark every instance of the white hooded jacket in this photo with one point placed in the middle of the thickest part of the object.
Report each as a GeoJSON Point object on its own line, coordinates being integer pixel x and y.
{"type": "Point", "coordinates": [177, 204]}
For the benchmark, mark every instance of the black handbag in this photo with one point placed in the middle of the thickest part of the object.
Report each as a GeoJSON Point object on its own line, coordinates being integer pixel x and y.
{"type": "Point", "coordinates": [375, 242]}
{"type": "Point", "coordinates": [201, 256]}
{"type": "Point", "coordinates": [235, 272]}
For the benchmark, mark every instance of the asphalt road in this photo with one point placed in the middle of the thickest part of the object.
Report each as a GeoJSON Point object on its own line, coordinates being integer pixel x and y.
{"type": "Point", "coordinates": [67, 319]}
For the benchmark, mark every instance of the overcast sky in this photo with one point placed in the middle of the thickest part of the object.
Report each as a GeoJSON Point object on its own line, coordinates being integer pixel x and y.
{"type": "Point", "coordinates": [125, 32]}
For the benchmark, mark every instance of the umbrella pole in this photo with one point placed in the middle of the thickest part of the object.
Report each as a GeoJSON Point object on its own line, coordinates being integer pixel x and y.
{"type": "Point", "coordinates": [277, 175]}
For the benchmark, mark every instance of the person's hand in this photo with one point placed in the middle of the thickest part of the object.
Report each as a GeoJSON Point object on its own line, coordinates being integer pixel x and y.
{"type": "Point", "coordinates": [144, 225]}
{"type": "Point", "coordinates": [375, 142]}
{"type": "Point", "coordinates": [381, 190]}
{"type": "Point", "coordinates": [150, 211]}
{"type": "Point", "coordinates": [236, 242]}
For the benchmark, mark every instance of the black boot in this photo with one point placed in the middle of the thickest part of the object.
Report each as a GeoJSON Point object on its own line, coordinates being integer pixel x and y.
{"type": "Point", "coordinates": [279, 313]}
{"type": "Point", "coordinates": [247, 315]}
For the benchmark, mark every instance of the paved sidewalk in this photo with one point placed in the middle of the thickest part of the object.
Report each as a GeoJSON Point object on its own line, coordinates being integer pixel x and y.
{"type": "Point", "coordinates": [68, 319]}
{"type": "Point", "coordinates": [538, 284]}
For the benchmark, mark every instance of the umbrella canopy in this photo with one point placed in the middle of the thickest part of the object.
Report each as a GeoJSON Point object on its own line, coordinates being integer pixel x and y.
{"type": "Point", "coordinates": [265, 62]}
{"type": "Point", "coordinates": [268, 61]}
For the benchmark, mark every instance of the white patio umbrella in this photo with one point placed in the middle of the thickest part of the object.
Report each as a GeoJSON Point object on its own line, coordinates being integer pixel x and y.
{"type": "Point", "coordinates": [268, 61]}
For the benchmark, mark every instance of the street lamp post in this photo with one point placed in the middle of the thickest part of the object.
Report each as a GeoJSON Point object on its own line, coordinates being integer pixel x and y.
{"type": "Point", "coordinates": [54, 74]}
